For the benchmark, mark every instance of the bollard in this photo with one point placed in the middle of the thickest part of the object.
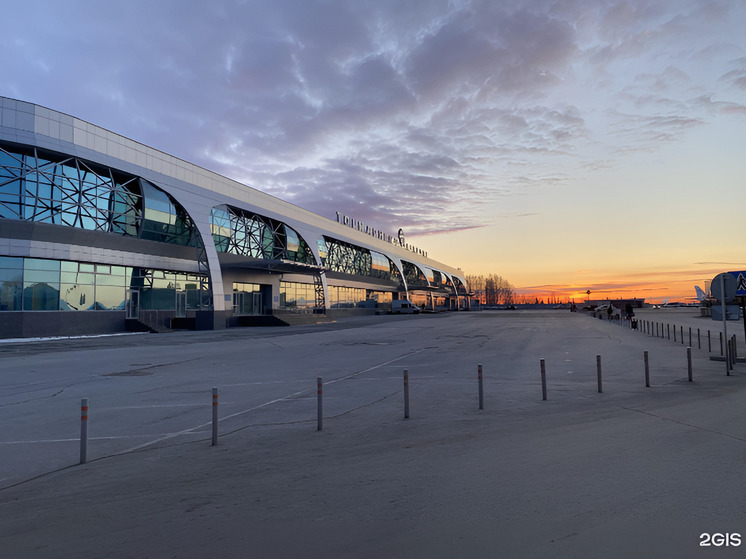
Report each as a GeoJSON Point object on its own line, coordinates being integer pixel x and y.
{"type": "Point", "coordinates": [84, 430]}
{"type": "Point", "coordinates": [732, 352]}
{"type": "Point", "coordinates": [689, 362]}
{"type": "Point", "coordinates": [674, 333]}
{"type": "Point", "coordinates": [690, 336]}
{"type": "Point", "coordinates": [721, 344]}
{"type": "Point", "coordinates": [598, 371]}
{"type": "Point", "coordinates": [481, 387]}
{"type": "Point", "coordinates": [735, 348]}
{"type": "Point", "coordinates": [319, 404]}
{"type": "Point", "coordinates": [543, 380]}
{"type": "Point", "coordinates": [647, 370]}
{"type": "Point", "coordinates": [709, 342]}
{"type": "Point", "coordinates": [214, 416]}
{"type": "Point", "coordinates": [699, 340]}
{"type": "Point", "coordinates": [668, 331]}
{"type": "Point", "coordinates": [681, 329]}
{"type": "Point", "coordinates": [406, 394]}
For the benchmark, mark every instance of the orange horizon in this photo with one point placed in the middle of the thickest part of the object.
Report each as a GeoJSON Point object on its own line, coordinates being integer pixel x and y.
{"type": "Point", "coordinates": [651, 292]}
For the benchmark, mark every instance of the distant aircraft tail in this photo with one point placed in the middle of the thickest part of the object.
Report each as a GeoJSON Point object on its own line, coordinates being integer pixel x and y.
{"type": "Point", "coordinates": [700, 293]}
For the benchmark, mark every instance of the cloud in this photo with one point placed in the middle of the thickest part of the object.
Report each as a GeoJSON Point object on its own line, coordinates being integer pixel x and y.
{"type": "Point", "coordinates": [391, 112]}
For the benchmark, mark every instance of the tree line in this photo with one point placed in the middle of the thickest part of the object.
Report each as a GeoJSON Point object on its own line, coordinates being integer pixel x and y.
{"type": "Point", "coordinates": [492, 289]}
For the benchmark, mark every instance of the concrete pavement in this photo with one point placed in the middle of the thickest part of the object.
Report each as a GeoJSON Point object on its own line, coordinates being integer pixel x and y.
{"type": "Point", "coordinates": [630, 472]}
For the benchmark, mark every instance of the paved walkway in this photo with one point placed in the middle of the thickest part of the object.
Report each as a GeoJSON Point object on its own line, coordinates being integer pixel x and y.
{"type": "Point", "coordinates": [629, 472]}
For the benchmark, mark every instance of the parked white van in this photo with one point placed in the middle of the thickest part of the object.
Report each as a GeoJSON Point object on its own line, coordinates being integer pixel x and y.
{"type": "Point", "coordinates": [402, 306]}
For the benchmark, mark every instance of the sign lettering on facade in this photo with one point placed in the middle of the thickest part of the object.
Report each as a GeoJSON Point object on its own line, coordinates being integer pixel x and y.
{"type": "Point", "coordinates": [398, 240]}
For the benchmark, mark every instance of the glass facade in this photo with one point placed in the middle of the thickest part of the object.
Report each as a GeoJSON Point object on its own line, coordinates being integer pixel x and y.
{"type": "Point", "coordinates": [382, 299]}
{"type": "Point", "coordinates": [414, 276]}
{"type": "Point", "coordinates": [44, 187]}
{"type": "Point", "coordinates": [297, 296]}
{"type": "Point", "coordinates": [248, 234]}
{"type": "Point", "coordinates": [460, 287]}
{"type": "Point", "coordinates": [92, 286]}
{"type": "Point", "coordinates": [346, 297]}
{"type": "Point", "coordinates": [34, 284]}
{"type": "Point", "coordinates": [346, 258]}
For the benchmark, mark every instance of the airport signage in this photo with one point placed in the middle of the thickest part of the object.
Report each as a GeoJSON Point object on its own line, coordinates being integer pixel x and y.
{"type": "Point", "coordinates": [397, 240]}
{"type": "Point", "coordinates": [740, 284]}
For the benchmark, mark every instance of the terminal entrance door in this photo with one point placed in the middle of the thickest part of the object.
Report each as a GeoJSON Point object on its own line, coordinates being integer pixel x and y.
{"type": "Point", "coordinates": [247, 303]}
{"type": "Point", "coordinates": [133, 303]}
{"type": "Point", "coordinates": [181, 300]}
{"type": "Point", "coordinates": [256, 303]}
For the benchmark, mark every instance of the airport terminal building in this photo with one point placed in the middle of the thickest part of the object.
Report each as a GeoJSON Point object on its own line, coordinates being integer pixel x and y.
{"type": "Point", "coordinates": [100, 234]}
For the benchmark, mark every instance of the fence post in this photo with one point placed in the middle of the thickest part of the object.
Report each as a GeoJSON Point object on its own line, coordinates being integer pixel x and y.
{"type": "Point", "coordinates": [83, 430]}
{"type": "Point", "coordinates": [598, 371]}
{"type": "Point", "coordinates": [543, 380]}
{"type": "Point", "coordinates": [481, 387]}
{"type": "Point", "coordinates": [214, 416]}
{"type": "Point", "coordinates": [406, 394]}
{"type": "Point", "coordinates": [319, 404]}
{"type": "Point", "coordinates": [647, 370]}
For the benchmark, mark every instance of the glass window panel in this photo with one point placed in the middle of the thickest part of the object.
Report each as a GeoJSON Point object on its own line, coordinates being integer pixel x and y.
{"type": "Point", "coordinates": [11, 269]}
{"type": "Point", "coordinates": [158, 299]}
{"type": "Point", "coordinates": [156, 199]}
{"type": "Point", "coordinates": [41, 276]}
{"type": "Point", "coordinates": [11, 274]}
{"type": "Point", "coordinates": [11, 262]}
{"type": "Point", "coordinates": [38, 264]}
{"type": "Point", "coordinates": [9, 158]}
{"type": "Point", "coordinates": [292, 240]}
{"type": "Point", "coordinates": [41, 296]}
{"type": "Point", "coordinates": [102, 279]}
{"type": "Point", "coordinates": [163, 283]}
{"type": "Point", "coordinates": [86, 279]}
{"type": "Point", "coordinates": [87, 268]}
{"type": "Point", "coordinates": [66, 266]}
{"type": "Point", "coordinates": [76, 297]}
{"type": "Point", "coordinates": [10, 189]}
{"type": "Point", "coordinates": [109, 297]}
{"type": "Point", "coordinates": [11, 295]}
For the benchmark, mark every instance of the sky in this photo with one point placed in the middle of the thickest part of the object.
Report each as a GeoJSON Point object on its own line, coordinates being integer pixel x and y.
{"type": "Point", "coordinates": [565, 145]}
